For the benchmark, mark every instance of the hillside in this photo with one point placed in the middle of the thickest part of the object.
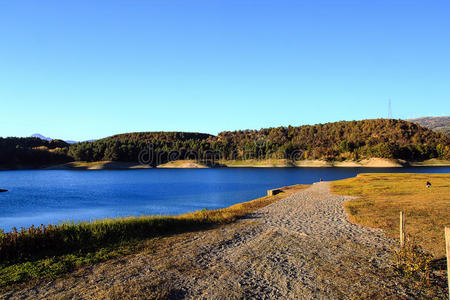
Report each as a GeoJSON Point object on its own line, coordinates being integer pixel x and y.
{"type": "Point", "coordinates": [338, 142]}
{"type": "Point", "coordinates": [441, 124]}
{"type": "Point", "coordinates": [345, 140]}
{"type": "Point", "coordinates": [32, 151]}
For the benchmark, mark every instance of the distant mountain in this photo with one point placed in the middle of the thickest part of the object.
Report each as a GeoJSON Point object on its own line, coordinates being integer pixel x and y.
{"type": "Point", "coordinates": [71, 142]}
{"type": "Point", "coordinates": [40, 136]}
{"type": "Point", "coordinates": [441, 124]}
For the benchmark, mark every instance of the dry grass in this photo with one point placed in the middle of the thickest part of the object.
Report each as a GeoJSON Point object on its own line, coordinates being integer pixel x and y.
{"type": "Point", "coordinates": [85, 164]}
{"type": "Point", "coordinates": [431, 162]}
{"type": "Point", "coordinates": [184, 163]}
{"type": "Point", "coordinates": [380, 198]}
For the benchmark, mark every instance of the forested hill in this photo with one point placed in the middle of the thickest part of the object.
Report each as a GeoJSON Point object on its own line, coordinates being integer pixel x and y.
{"type": "Point", "coordinates": [441, 124]}
{"type": "Point", "coordinates": [32, 151]}
{"type": "Point", "coordinates": [345, 140]}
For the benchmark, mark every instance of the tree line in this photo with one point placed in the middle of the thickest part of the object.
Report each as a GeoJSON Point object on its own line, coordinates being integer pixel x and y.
{"type": "Point", "coordinates": [16, 152]}
{"type": "Point", "coordinates": [345, 140]}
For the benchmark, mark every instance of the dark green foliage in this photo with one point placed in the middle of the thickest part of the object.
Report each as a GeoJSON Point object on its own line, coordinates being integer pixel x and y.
{"type": "Point", "coordinates": [332, 141]}
{"type": "Point", "coordinates": [343, 140]}
{"type": "Point", "coordinates": [383, 138]}
{"type": "Point", "coordinates": [32, 152]}
{"type": "Point", "coordinates": [165, 146]}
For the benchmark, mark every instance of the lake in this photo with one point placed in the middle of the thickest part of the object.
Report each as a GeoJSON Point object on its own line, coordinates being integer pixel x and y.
{"type": "Point", "coordinates": [52, 196]}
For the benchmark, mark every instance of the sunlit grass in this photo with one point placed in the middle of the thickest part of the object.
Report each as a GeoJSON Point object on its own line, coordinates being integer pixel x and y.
{"type": "Point", "coordinates": [380, 198]}
{"type": "Point", "coordinates": [432, 162]}
{"type": "Point", "coordinates": [85, 164]}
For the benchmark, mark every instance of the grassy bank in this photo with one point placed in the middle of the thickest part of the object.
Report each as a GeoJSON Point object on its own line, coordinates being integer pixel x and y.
{"type": "Point", "coordinates": [52, 250]}
{"type": "Point", "coordinates": [380, 198]}
{"type": "Point", "coordinates": [97, 165]}
{"type": "Point", "coordinates": [431, 163]}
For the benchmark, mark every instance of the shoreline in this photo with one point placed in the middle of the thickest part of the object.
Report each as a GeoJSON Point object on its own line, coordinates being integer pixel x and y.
{"type": "Point", "coordinates": [281, 163]}
{"type": "Point", "coordinates": [270, 163]}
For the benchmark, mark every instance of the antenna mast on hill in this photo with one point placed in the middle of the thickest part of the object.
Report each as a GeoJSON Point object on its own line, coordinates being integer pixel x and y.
{"type": "Point", "coordinates": [389, 109]}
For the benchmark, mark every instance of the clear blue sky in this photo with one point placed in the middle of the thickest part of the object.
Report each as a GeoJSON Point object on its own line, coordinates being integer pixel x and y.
{"type": "Point", "coordinates": [89, 69]}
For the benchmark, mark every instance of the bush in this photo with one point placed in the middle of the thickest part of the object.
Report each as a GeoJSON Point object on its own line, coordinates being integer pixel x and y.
{"type": "Point", "coordinates": [413, 262]}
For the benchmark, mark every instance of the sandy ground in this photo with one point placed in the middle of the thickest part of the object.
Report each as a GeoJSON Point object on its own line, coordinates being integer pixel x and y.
{"type": "Point", "coordinates": [300, 247]}
{"type": "Point", "coordinates": [372, 163]}
{"type": "Point", "coordinates": [182, 164]}
{"type": "Point", "coordinates": [280, 163]}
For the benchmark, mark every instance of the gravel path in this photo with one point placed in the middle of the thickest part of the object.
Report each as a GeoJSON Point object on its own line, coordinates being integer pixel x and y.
{"type": "Point", "coordinates": [303, 247]}
{"type": "Point", "coordinates": [300, 247]}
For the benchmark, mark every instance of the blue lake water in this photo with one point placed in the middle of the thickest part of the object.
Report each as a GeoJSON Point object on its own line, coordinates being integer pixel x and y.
{"type": "Point", "coordinates": [45, 197]}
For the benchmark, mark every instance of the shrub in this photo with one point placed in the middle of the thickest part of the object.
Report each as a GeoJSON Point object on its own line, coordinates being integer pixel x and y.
{"type": "Point", "coordinates": [413, 262]}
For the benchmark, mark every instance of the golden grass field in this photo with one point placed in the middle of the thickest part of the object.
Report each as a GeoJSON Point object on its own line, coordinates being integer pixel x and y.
{"type": "Point", "coordinates": [380, 198]}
